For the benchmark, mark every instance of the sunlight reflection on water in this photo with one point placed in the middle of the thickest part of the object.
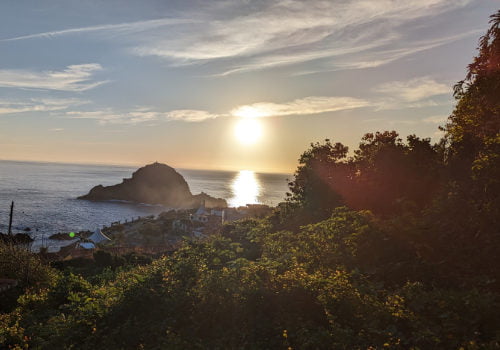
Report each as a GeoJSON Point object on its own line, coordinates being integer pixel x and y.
{"type": "Point", "coordinates": [246, 189]}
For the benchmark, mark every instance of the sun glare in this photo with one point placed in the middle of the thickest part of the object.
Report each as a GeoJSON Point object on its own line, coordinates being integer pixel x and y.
{"type": "Point", "coordinates": [248, 131]}
{"type": "Point", "coordinates": [246, 189]}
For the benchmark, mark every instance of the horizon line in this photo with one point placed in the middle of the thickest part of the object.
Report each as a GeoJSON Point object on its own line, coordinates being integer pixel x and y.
{"type": "Point", "coordinates": [129, 165]}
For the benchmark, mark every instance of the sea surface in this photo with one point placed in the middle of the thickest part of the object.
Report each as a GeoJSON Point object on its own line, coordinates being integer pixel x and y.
{"type": "Point", "coordinates": [44, 194]}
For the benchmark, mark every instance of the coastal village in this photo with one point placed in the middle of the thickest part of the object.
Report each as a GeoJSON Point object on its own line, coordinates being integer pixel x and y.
{"type": "Point", "coordinates": [152, 234]}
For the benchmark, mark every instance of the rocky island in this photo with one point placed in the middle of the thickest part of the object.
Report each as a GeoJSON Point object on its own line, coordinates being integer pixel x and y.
{"type": "Point", "coordinates": [155, 184]}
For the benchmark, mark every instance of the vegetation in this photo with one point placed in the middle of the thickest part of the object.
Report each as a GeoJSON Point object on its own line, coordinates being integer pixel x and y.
{"type": "Point", "coordinates": [385, 175]}
{"type": "Point", "coordinates": [29, 270]}
{"type": "Point", "coordinates": [395, 247]}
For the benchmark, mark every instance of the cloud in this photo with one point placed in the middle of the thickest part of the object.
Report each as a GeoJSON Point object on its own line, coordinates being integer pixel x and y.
{"type": "Point", "coordinates": [141, 115]}
{"type": "Point", "coordinates": [38, 105]}
{"type": "Point", "coordinates": [352, 34]}
{"type": "Point", "coordinates": [386, 54]}
{"type": "Point", "coordinates": [249, 36]}
{"type": "Point", "coordinates": [415, 89]}
{"type": "Point", "coordinates": [409, 95]}
{"type": "Point", "coordinates": [73, 78]}
{"type": "Point", "coordinates": [190, 115]}
{"type": "Point", "coordinates": [418, 92]}
{"type": "Point", "coordinates": [284, 57]}
{"type": "Point", "coordinates": [123, 28]}
{"type": "Point", "coordinates": [303, 106]}
{"type": "Point", "coordinates": [285, 24]}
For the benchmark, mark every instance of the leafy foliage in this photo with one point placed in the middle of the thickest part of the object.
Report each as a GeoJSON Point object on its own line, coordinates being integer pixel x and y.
{"type": "Point", "coordinates": [316, 288]}
{"type": "Point", "coordinates": [27, 269]}
{"type": "Point", "coordinates": [385, 175]}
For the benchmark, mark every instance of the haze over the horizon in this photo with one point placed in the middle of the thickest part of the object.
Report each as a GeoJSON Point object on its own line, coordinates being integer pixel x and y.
{"type": "Point", "coordinates": [132, 82]}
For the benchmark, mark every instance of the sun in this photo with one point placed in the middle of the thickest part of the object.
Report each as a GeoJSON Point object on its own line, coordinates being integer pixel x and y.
{"type": "Point", "coordinates": [248, 131]}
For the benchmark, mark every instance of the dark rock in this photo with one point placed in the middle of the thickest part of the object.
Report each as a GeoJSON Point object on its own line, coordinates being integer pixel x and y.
{"type": "Point", "coordinates": [154, 184]}
{"type": "Point", "coordinates": [210, 202]}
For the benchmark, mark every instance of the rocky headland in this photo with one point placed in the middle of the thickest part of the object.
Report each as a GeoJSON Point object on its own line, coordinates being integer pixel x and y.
{"type": "Point", "coordinates": [155, 184]}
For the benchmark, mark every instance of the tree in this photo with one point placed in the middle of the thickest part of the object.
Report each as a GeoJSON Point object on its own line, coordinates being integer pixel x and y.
{"type": "Point", "coordinates": [385, 175]}
{"type": "Point", "coordinates": [321, 172]}
{"type": "Point", "coordinates": [466, 218]}
{"type": "Point", "coordinates": [473, 132]}
{"type": "Point", "coordinates": [474, 126]}
{"type": "Point", "coordinates": [392, 175]}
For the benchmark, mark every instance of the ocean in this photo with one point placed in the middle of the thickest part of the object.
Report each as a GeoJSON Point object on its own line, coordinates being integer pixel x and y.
{"type": "Point", "coordinates": [45, 194]}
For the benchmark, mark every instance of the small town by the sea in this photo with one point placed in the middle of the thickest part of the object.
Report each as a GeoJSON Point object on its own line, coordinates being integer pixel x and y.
{"type": "Point", "coordinates": [159, 234]}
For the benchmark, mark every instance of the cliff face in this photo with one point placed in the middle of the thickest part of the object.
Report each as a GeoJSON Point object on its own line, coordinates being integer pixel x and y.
{"type": "Point", "coordinates": [154, 184]}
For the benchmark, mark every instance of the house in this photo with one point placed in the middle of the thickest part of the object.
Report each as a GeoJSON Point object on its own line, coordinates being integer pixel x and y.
{"type": "Point", "coordinates": [86, 245]}
{"type": "Point", "coordinates": [89, 244]}
{"type": "Point", "coordinates": [201, 214]}
{"type": "Point", "coordinates": [98, 237]}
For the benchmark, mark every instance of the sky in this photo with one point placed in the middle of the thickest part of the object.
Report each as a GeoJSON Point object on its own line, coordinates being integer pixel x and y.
{"type": "Point", "coordinates": [228, 85]}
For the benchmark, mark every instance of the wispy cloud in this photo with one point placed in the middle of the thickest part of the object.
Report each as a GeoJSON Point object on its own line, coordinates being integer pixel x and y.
{"type": "Point", "coordinates": [258, 35]}
{"type": "Point", "coordinates": [38, 105]}
{"type": "Point", "coordinates": [141, 115]}
{"type": "Point", "coordinates": [414, 93]}
{"type": "Point", "coordinates": [415, 89]}
{"type": "Point", "coordinates": [283, 57]}
{"type": "Point", "coordinates": [290, 32]}
{"type": "Point", "coordinates": [385, 54]}
{"type": "Point", "coordinates": [119, 28]}
{"type": "Point", "coordinates": [190, 115]}
{"type": "Point", "coordinates": [145, 115]}
{"type": "Point", "coordinates": [285, 24]}
{"type": "Point", "coordinates": [303, 106]}
{"type": "Point", "coordinates": [73, 78]}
